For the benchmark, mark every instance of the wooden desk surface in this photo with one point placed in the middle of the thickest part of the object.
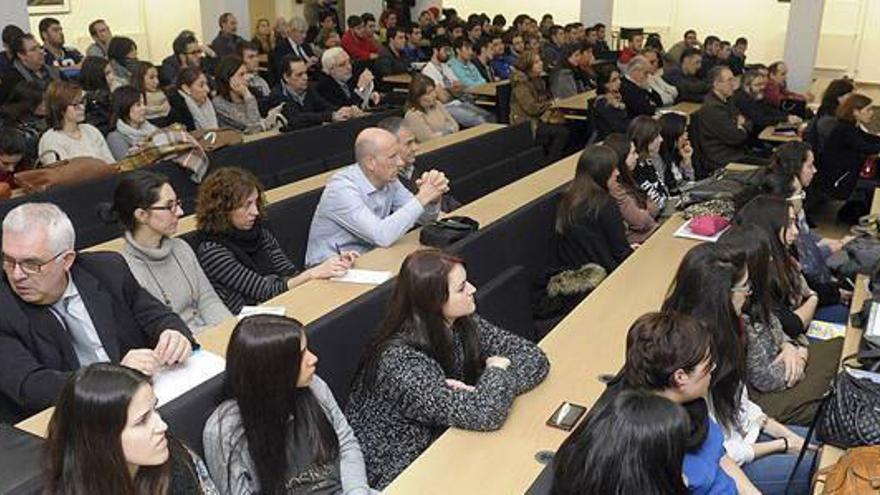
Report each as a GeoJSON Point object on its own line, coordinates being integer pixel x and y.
{"type": "Point", "coordinates": [768, 135]}
{"type": "Point", "coordinates": [685, 107]}
{"type": "Point", "coordinates": [576, 103]}
{"type": "Point", "coordinates": [489, 90]}
{"type": "Point", "coordinates": [188, 223]}
{"type": "Point", "coordinates": [316, 298]}
{"type": "Point", "coordinates": [398, 79]}
{"type": "Point", "coordinates": [830, 454]}
{"type": "Point", "coordinates": [589, 342]}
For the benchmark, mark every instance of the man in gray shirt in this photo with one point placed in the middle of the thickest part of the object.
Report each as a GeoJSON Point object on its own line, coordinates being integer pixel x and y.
{"type": "Point", "coordinates": [364, 205]}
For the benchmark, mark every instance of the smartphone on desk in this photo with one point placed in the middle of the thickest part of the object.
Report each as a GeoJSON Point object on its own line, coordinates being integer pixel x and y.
{"type": "Point", "coordinates": [566, 416]}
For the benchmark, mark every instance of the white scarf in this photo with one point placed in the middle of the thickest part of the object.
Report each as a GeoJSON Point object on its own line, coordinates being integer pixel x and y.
{"type": "Point", "coordinates": [133, 134]}
{"type": "Point", "coordinates": [203, 115]}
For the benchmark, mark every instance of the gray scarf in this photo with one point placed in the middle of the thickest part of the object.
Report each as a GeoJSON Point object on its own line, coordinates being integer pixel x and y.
{"type": "Point", "coordinates": [135, 135]}
{"type": "Point", "coordinates": [203, 115]}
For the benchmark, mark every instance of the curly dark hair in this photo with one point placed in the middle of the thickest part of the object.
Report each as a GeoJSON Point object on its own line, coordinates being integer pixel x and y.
{"type": "Point", "coordinates": [223, 191]}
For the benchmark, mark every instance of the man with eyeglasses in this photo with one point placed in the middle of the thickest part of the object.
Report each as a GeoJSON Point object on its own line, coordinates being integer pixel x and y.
{"type": "Point", "coordinates": [337, 83]}
{"type": "Point", "coordinates": [187, 53]}
{"type": "Point", "coordinates": [303, 106]}
{"type": "Point", "coordinates": [749, 99]}
{"type": "Point", "coordinates": [721, 131]}
{"type": "Point", "coordinates": [63, 310]}
{"type": "Point", "coordinates": [29, 65]}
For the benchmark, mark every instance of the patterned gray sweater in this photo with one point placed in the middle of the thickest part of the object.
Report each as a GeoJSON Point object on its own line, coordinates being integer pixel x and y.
{"type": "Point", "coordinates": [764, 344]}
{"type": "Point", "coordinates": [410, 404]}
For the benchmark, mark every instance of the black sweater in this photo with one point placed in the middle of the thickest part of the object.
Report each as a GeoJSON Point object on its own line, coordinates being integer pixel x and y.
{"type": "Point", "coordinates": [314, 110]}
{"type": "Point", "coordinates": [595, 237]}
{"type": "Point", "coordinates": [721, 140]}
{"type": "Point", "coordinates": [638, 101]}
{"type": "Point", "coordinates": [844, 152]}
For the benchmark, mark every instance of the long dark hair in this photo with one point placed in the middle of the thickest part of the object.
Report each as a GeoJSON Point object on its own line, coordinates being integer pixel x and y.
{"type": "Point", "coordinates": [226, 68]}
{"type": "Point", "coordinates": [771, 214]}
{"type": "Point", "coordinates": [750, 242]}
{"type": "Point", "coordinates": [635, 445]}
{"type": "Point", "coordinates": [138, 73]}
{"type": "Point", "coordinates": [415, 318]}
{"type": "Point", "coordinates": [137, 189]}
{"type": "Point", "coordinates": [672, 126]}
{"type": "Point", "coordinates": [702, 289]}
{"type": "Point", "coordinates": [832, 94]}
{"type": "Point", "coordinates": [621, 145]}
{"type": "Point", "coordinates": [642, 131]}
{"type": "Point", "coordinates": [789, 158]}
{"type": "Point", "coordinates": [589, 189]}
{"type": "Point", "coordinates": [262, 369]}
{"type": "Point", "coordinates": [91, 76]}
{"type": "Point", "coordinates": [122, 99]}
{"type": "Point", "coordinates": [84, 446]}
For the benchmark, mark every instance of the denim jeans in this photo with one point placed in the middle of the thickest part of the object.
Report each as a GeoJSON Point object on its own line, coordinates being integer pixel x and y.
{"type": "Point", "coordinates": [770, 473]}
{"type": "Point", "coordinates": [468, 114]}
{"type": "Point", "coordinates": [833, 313]}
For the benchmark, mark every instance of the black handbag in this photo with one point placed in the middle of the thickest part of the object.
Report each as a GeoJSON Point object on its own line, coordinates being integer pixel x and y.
{"type": "Point", "coordinates": [851, 416]}
{"type": "Point", "coordinates": [445, 231]}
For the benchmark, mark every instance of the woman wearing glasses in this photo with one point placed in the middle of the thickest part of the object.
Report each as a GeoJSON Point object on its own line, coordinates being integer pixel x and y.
{"type": "Point", "coordinates": [714, 284]}
{"type": "Point", "coordinates": [69, 137]}
{"type": "Point", "coordinates": [146, 205]}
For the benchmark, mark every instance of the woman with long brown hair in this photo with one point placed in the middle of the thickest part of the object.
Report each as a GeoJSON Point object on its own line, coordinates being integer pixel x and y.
{"type": "Point", "coordinates": [434, 364]}
{"type": "Point", "coordinates": [638, 210]}
{"type": "Point", "coordinates": [426, 116]}
{"type": "Point", "coordinates": [589, 226]}
{"type": "Point", "coordinates": [106, 436]}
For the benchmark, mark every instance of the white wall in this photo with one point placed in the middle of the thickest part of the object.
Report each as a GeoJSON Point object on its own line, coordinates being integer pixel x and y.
{"type": "Point", "coordinates": [763, 22]}
{"type": "Point", "coordinates": [153, 24]}
{"type": "Point", "coordinates": [564, 11]}
{"type": "Point", "coordinates": [13, 12]}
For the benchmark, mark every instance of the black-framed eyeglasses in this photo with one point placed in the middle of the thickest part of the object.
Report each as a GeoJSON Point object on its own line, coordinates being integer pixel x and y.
{"type": "Point", "coordinates": [30, 267]}
{"type": "Point", "coordinates": [169, 207]}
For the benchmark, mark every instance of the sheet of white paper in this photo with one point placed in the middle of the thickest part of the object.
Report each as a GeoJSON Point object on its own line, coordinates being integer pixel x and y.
{"type": "Point", "coordinates": [686, 232]}
{"type": "Point", "coordinates": [359, 276]}
{"type": "Point", "coordinates": [262, 310]}
{"type": "Point", "coordinates": [173, 382]}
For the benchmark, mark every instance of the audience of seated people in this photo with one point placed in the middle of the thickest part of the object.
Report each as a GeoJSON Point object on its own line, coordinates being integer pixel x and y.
{"type": "Point", "coordinates": [238, 252]}
{"type": "Point", "coordinates": [721, 375]}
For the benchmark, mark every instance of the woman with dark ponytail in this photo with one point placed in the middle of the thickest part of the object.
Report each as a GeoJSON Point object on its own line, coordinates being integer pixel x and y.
{"type": "Point", "coordinates": [149, 210]}
{"type": "Point", "coordinates": [280, 430]}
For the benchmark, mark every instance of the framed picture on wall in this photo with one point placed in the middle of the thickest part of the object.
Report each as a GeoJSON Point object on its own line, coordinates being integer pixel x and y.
{"type": "Point", "coordinates": [42, 7]}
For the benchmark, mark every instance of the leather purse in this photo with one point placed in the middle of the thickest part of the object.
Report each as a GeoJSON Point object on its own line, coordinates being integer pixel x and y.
{"type": "Point", "coordinates": [445, 231]}
{"type": "Point", "coordinates": [63, 172]}
{"type": "Point", "coordinates": [850, 416]}
{"type": "Point", "coordinates": [857, 472]}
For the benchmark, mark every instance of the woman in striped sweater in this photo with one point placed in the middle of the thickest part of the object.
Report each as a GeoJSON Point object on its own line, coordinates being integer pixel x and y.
{"type": "Point", "coordinates": [240, 256]}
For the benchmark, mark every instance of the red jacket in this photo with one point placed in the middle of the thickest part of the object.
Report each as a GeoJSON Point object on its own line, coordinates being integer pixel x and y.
{"type": "Point", "coordinates": [774, 93]}
{"type": "Point", "coordinates": [627, 54]}
{"type": "Point", "coordinates": [359, 48]}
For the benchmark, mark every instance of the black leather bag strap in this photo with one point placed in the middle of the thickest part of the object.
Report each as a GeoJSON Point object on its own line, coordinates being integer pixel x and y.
{"type": "Point", "coordinates": [825, 399]}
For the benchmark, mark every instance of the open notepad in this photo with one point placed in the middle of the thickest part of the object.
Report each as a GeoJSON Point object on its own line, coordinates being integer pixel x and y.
{"type": "Point", "coordinates": [172, 382]}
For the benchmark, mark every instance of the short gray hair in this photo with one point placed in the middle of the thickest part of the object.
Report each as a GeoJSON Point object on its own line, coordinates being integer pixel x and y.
{"type": "Point", "coordinates": [330, 57]}
{"type": "Point", "coordinates": [638, 63]}
{"type": "Point", "coordinates": [299, 24]}
{"type": "Point", "coordinates": [48, 216]}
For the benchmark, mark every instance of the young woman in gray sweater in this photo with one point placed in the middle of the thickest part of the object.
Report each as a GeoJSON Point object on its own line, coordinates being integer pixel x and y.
{"type": "Point", "coordinates": [280, 435]}
{"type": "Point", "coordinates": [146, 205]}
{"type": "Point", "coordinates": [435, 364]}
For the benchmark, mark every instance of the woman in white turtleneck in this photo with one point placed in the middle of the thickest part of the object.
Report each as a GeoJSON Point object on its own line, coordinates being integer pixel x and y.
{"type": "Point", "coordinates": [146, 204]}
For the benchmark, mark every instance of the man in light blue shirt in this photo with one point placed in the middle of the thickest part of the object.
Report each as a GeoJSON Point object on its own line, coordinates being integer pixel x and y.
{"type": "Point", "coordinates": [364, 205]}
{"type": "Point", "coordinates": [461, 64]}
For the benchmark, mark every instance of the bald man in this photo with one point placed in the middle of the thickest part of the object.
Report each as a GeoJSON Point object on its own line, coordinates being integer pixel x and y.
{"type": "Point", "coordinates": [364, 205]}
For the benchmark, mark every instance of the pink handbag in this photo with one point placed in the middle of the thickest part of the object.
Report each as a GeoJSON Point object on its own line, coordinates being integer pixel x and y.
{"type": "Point", "coordinates": [708, 225]}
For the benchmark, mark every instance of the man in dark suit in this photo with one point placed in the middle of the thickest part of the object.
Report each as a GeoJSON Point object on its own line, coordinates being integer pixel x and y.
{"type": "Point", "coordinates": [337, 84]}
{"type": "Point", "coordinates": [295, 44]}
{"type": "Point", "coordinates": [638, 97]}
{"type": "Point", "coordinates": [63, 310]}
{"type": "Point", "coordinates": [303, 106]}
